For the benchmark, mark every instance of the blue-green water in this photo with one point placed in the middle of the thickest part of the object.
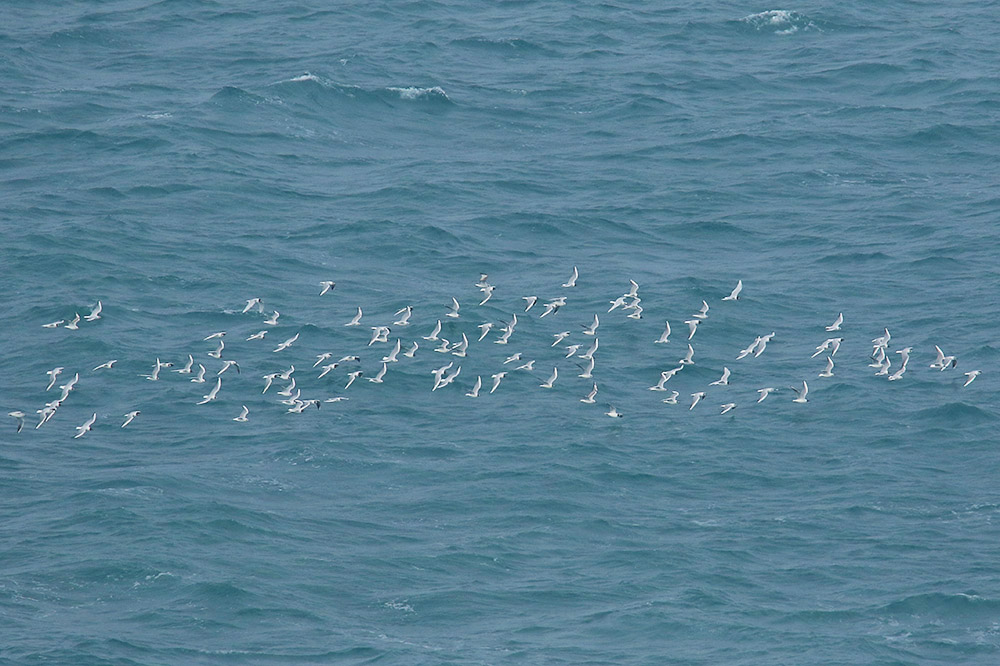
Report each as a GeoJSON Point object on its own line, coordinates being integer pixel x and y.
{"type": "Point", "coordinates": [174, 159]}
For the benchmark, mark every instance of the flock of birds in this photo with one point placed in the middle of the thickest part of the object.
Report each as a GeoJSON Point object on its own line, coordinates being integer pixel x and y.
{"type": "Point", "coordinates": [583, 353]}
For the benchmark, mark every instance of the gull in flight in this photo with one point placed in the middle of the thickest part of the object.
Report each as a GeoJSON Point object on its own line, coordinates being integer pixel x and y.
{"type": "Point", "coordinates": [905, 353]}
{"type": "Point", "coordinates": [672, 398]}
{"type": "Point", "coordinates": [217, 353]}
{"type": "Point", "coordinates": [54, 324]}
{"type": "Point", "coordinates": [829, 343]}
{"type": "Point", "coordinates": [502, 340]}
{"type": "Point", "coordinates": [434, 333]}
{"type": "Point", "coordinates": [592, 329]}
{"type": "Point", "coordinates": [379, 334]}
{"type": "Point", "coordinates": [186, 370]}
{"type": "Point", "coordinates": [356, 320]}
{"type": "Point", "coordinates": [488, 290]}
{"type": "Point", "coordinates": [445, 346]}
{"type": "Point", "coordinates": [835, 326]}
{"type": "Point", "coordinates": [453, 308]}
{"type": "Point", "coordinates": [482, 280]}
{"type": "Point", "coordinates": [273, 319]}
{"type": "Point", "coordinates": [884, 368]}
{"type": "Point", "coordinates": [326, 369]}
{"type": "Point", "coordinates": [513, 358]}
{"type": "Point", "coordinates": [617, 303]}
{"type": "Point", "coordinates": [764, 392]}
{"type": "Point", "coordinates": [531, 300]}
{"type": "Point", "coordinates": [972, 374]}
{"type": "Point", "coordinates": [215, 335]}
{"type": "Point", "coordinates": [459, 348]}
{"type": "Point", "coordinates": [85, 428]}
{"type": "Point", "coordinates": [735, 296]}
{"type": "Point", "coordinates": [19, 415]}
{"type": "Point", "coordinates": [412, 350]}
{"type": "Point", "coordinates": [451, 378]}
{"type": "Point", "coordinates": [638, 312]}
{"type": "Point", "coordinates": [589, 399]}
{"type": "Point", "coordinates": [200, 378]}
{"type": "Point", "coordinates": [407, 312]}
{"type": "Point", "coordinates": [800, 395]}
{"type": "Point", "coordinates": [288, 389]}
{"type": "Point", "coordinates": [696, 398]}
{"type": "Point", "coordinates": [131, 417]}
{"type": "Point", "coordinates": [898, 374]}
{"type": "Point", "coordinates": [485, 327]}
{"type": "Point", "coordinates": [339, 398]}
{"type": "Point", "coordinates": [530, 365]}
{"type": "Point", "coordinates": [286, 344]}
{"type": "Point", "coordinates": [571, 350]}
{"type": "Point", "coordinates": [250, 303]}
{"type": "Point", "coordinates": [879, 357]}
{"type": "Point", "coordinates": [322, 357]}
{"type": "Point", "coordinates": [942, 361]}
{"type": "Point", "coordinates": [828, 371]}
{"type": "Point", "coordinates": [763, 344]}
{"type": "Point", "coordinates": [723, 380]}
{"type": "Point", "coordinates": [242, 418]}
{"type": "Point", "coordinates": [883, 340]}
{"type": "Point", "coordinates": [572, 280]}
{"type": "Point", "coordinates": [74, 324]}
{"type": "Point", "coordinates": [259, 335]}
{"type": "Point", "coordinates": [689, 359]}
{"type": "Point", "coordinates": [327, 285]}
{"type": "Point", "coordinates": [474, 393]}
{"type": "Point", "coordinates": [590, 368]}
{"type": "Point", "coordinates": [95, 314]}
{"type": "Point", "coordinates": [552, 379]}
{"type": "Point", "coordinates": [703, 313]}
{"type": "Point", "coordinates": [729, 406]}
{"type": "Point", "coordinates": [210, 396]}
{"type": "Point", "coordinates": [559, 337]}
{"type": "Point", "coordinates": [155, 375]}
{"type": "Point", "coordinates": [345, 359]}
{"type": "Point", "coordinates": [439, 373]}
{"type": "Point", "coordinates": [53, 373]}
{"type": "Point", "coordinates": [590, 352]}
{"type": "Point", "coordinates": [613, 413]}
{"type": "Point", "coordinates": [665, 336]}
{"type": "Point", "coordinates": [351, 377]}
{"type": "Point", "coordinates": [553, 306]}
{"type": "Point", "coordinates": [749, 350]}
{"type": "Point", "coordinates": [391, 358]}
{"type": "Point", "coordinates": [497, 378]}
{"type": "Point", "coordinates": [107, 365]}
{"type": "Point", "coordinates": [692, 326]}
{"type": "Point", "coordinates": [634, 291]}
{"type": "Point", "coordinates": [226, 365]}
{"type": "Point", "coordinates": [377, 379]}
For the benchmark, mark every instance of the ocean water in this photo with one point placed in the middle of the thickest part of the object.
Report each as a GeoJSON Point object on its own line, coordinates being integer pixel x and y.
{"type": "Point", "coordinates": [173, 159]}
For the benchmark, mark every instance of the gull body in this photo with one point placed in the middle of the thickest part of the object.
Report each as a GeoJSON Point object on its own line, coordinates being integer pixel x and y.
{"type": "Point", "coordinates": [703, 312]}
{"type": "Point", "coordinates": [672, 398]}
{"type": "Point", "coordinates": [356, 320]}
{"type": "Point", "coordinates": [573, 278]}
{"type": "Point", "coordinates": [351, 377]}
{"type": "Point", "coordinates": [19, 416]}
{"type": "Point", "coordinates": [513, 358]}
{"type": "Point", "coordinates": [695, 399]}
{"type": "Point", "coordinates": [551, 380]}
{"type": "Point", "coordinates": [54, 324]}
{"type": "Point", "coordinates": [226, 365]}
{"type": "Point", "coordinates": [485, 328]}
{"type": "Point", "coordinates": [286, 344]}
{"type": "Point", "coordinates": [589, 398]}
{"type": "Point", "coordinates": [217, 352]}
{"type": "Point", "coordinates": [287, 391]}
{"type": "Point", "coordinates": [800, 395]}
{"type": "Point", "coordinates": [530, 365]}
{"type": "Point", "coordinates": [85, 428]}
{"type": "Point", "coordinates": [488, 290]}
{"type": "Point", "coordinates": [735, 296]}
{"type": "Point", "coordinates": [131, 417]}
{"type": "Point", "coordinates": [828, 371]}
{"type": "Point", "coordinates": [764, 392]}
{"type": "Point", "coordinates": [200, 377]}
{"type": "Point", "coordinates": [460, 348]}
{"type": "Point", "coordinates": [531, 300]}
{"type": "Point", "coordinates": [377, 379]}
{"type": "Point", "coordinates": [692, 326]}
{"type": "Point", "coordinates": [259, 335]}
{"type": "Point", "coordinates": [723, 380]}
{"type": "Point", "coordinates": [613, 413]}
{"type": "Point", "coordinates": [559, 337]}
{"type": "Point", "coordinates": [407, 312]}
{"type": "Point", "coordinates": [434, 333]}
{"type": "Point", "coordinates": [391, 357]}
{"type": "Point", "coordinates": [213, 336]}
{"type": "Point", "coordinates": [273, 319]}
{"type": "Point", "coordinates": [74, 325]}
{"type": "Point", "coordinates": [497, 378]}
{"type": "Point", "coordinates": [592, 329]}
{"type": "Point", "coordinates": [412, 350]}
{"type": "Point", "coordinates": [186, 370]}
{"type": "Point", "coordinates": [250, 303]}
{"type": "Point", "coordinates": [729, 406]}
{"type": "Point", "coordinates": [210, 396]}
{"type": "Point", "coordinates": [835, 326]}
{"type": "Point", "coordinates": [593, 348]}
{"type": "Point", "coordinates": [379, 334]}
{"type": "Point", "coordinates": [327, 285]}
{"type": "Point", "coordinates": [665, 336]}
{"type": "Point", "coordinates": [587, 373]}
{"type": "Point", "coordinates": [322, 357]}
{"type": "Point", "coordinates": [95, 314]}
{"type": "Point", "coordinates": [689, 359]}
{"type": "Point", "coordinates": [453, 308]}
{"type": "Point", "coordinates": [326, 369]}
{"type": "Point", "coordinates": [242, 418]}
{"type": "Point", "coordinates": [53, 373]}
{"type": "Point", "coordinates": [972, 374]}
{"type": "Point", "coordinates": [571, 350]}
{"type": "Point", "coordinates": [474, 393]}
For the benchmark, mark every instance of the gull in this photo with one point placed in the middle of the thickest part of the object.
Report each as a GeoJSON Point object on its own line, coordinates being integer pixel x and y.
{"type": "Point", "coordinates": [800, 396]}
{"type": "Point", "coordinates": [883, 340]}
{"type": "Point", "coordinates": [250, 303]}
{"type": "Point", "coordinates": [453, 308]}
{"type": "Point", "coordinates": [723, 380]}
{"type": "Point", "coordinates": [617, 303]}
{"type": "Point", "coordinates": [217, 353]}
{"type": "Point", "coordinates": [242, 418]}
{"type": "Point", "coordinates": [200, 378]}
{"type": "Point", "coordinates": [828, 371]}
{"type": "Point", "coordinates": [54, 324]}
{"type": "Point", "coordinates": [405, 319]}
{"type": "Point", "coordinates": [559, 337]}
{"type": "Point", "coordinates": [513, 320]}
{"type": "Point", "coordinates": [474, 393]}
{"type": "Point", "coordinates": [352, 376]}
{"type": "Point", "coordinates": [613, 413]}
{"type": "Point", "coordinates": [764, 392]}
{"type": "Point", "coordinates": [339, 398]}
{"type": "Point", "coordinates": [592, 329]}
{"type": "Point", "coordinates": [664, 378]}
{"type": "Point", "coordinates": [379, 334]}
{"type": "Point", "coordinates": [502, 340]}
{"type": "Point", "coordinates": [186, 370]}
{"type": "Point", "coordinates": [326, 370]}
{"type": "Point", "coordinates": [73, 325]}
{"type": "Point", "coordinates": [593, 348]}
{"type": "Point", "coordinates": [550, 307]}
{"type": "Point", "coordinates": [552, 379]}
{"type": "Point", "coordinates": [689, 359]}
{"type": "Point", "coordinates": [884, 368]}
{"type": "Point", "coordinates": [485, 328]}
{"type": "Point", "coordinates": [288, 389]}
{"type": "Point", "coordinates": [259, 335]}
{"type": "Point", "coordinates": [434, 333]}
{"type": "Point", "coordinates": [377, 379]}
{"type": "Point", "coordinates": [53, 373]}
{"type": "Point", "coordinates": [412, 350]}
{"type": "Point", "coordinates": [827, 344]}
{"type": "Point", "coordinates": [835, 326]}
{"type": "Point", "coordinates": [85, 428]}
{"type": "Point", "coordinates": [696, 399]}
{"type": "Point", "coordinates": [460, 348]}
{"type": "Point", "coordinates": [445, 346]}
{"type": "Point", "coordinates": [634, 305]}
{"type": "Point", "coordinates": [497, 378]}
{"type": "Point", "coordinates": [95, 314]}
{"type": "Point", "coordinates": [571, 349]}
{"type": "Point", "coordinates": [692, 326]}
{"type": "Point", "coordinates": [439, 373]}
{"type": "Point", "coordinates": [664, 337]}
{"type": "Point", "coordinates": [905, 353]}
{"type": "Point", "coordinates": [589, 399]}
{"type": "Point", "coordinates": [215, 335]}
{"type": "Point", "coordinates": [286, 344]}
{"type": "Point", "coordinates": [762, 345]}
{"type": "Point", "coordinates": [131, 417]}
{"type": "Point", "coordinates": [356, 320]}
{"type": "Point", "coordinates": [488, 290]}
{"type": "Point", "coordinates": [391, 358]}
{"type": "Point", "coordinates": [531, 300]}
{"type": "Point", "coordinates": [511, 359]}
{"type": "Point", "coordinates": [302, 405]}
{"type": "Point", "coordinates": [270, 380]}
{"type": "Point", "coordinates": [972, 374]}
{"type": "Point", "coordinates": [735, 295]}
{"type": "Point", "coordinates": [572, 280]}
{"type": "Point", "coordinates": [530, 365]}
{"type": "Point", "coordinates": [273, 320]}
{"type": "Point", "coordinates": [321, 357]}
{"type": "Point", "coordinates": [156, 370]}
{"type": "Point", "coordinates": [590, 368]}
{"type": "Point", "coordinates": [939, 361]}
{"type": "Point", "coordinates": [703, 313]}
{"type": "Point", "coordinates": [226, 365]}
{"type": "Point", "coordinates": [672, 398]}
{"type": "Point", "coordinates": [879, 357]}
{"type": "Point", "coordinates": [634, 291]}
{"type": "Point", "coordinates": [345, 359]}
{"type": "Point", "coordinates": [949, 362]}
{"type": "Point", "coordinates": [637, 314]}
{"type": "Point", "coordinates": [291, 400]}
{"type": "Point", "coordinates": [729, 406]}
{"type": "Point", "coordinates": [19, 415]}
{"type": "Point", "coordinates": [328, 285]}
{"type": "Point", "coordinates": [46, 414]}
{"type": "Point", "coordinates": [482, 280]}
{"type": "Point", "coordinates": [448, 379]}
{"type": "Point", "coordinates": [749, 350]}
{"type": "Point", "coordinates": [898, 374]}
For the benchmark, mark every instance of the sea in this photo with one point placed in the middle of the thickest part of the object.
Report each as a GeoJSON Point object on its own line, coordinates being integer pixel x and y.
{"type": "Point", "coordinates": [174, 159]}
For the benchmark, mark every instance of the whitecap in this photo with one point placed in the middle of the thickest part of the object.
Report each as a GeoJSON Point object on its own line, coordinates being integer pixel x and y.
{"type": "Point", "coordinates": [780, 21]}
{"type": "Point", "coordinates": [413, 92]}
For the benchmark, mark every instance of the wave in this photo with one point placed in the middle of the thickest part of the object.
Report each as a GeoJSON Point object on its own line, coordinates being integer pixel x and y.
{"type": "Point", "coordinates": [779, 22]}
